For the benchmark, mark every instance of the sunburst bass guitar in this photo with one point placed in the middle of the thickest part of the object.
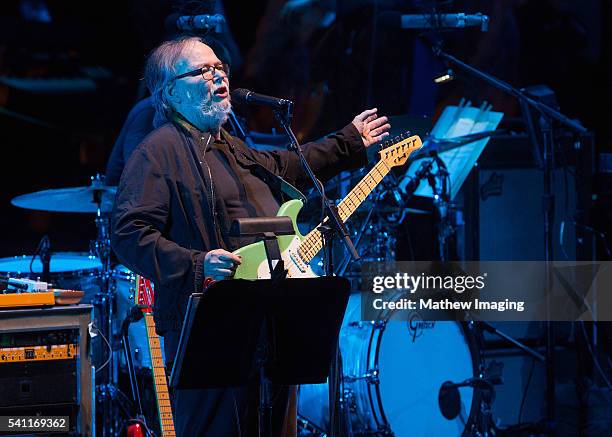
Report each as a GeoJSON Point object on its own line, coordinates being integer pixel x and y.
{"type": "Point", "coordinates": [297, 251]}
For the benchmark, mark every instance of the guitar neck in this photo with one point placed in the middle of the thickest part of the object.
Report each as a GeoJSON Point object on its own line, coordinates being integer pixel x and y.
{"type": "Point", "coordinates": [159, 379]}
{"type": "Point", "coordinates": [313, 241]}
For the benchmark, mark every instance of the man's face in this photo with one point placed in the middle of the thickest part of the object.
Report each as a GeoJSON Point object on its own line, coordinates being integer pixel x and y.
{"type": "Point", "coordinates": [203, 102]}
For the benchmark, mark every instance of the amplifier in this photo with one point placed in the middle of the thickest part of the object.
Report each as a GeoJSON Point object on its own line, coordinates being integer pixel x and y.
{"type": "Point", "coordinates": [45, 368]}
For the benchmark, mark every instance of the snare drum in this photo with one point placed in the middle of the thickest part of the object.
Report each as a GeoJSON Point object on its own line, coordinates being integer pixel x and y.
{"type": "Point", "coordinates": [393, 372]}
{"type": "Point", "coordinates": [68, 270]}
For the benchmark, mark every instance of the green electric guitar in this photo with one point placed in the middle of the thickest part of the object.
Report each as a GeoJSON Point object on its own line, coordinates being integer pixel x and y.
{"type": "Point", "coordinates": [297, 250]}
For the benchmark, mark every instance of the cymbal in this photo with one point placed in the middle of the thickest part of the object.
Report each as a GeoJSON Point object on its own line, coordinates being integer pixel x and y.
{"type": "Point", "coordinates": [74, 199]}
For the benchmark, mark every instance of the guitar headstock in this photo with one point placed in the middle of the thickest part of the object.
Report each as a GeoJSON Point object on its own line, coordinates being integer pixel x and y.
{"type": "Point", "coordinates": [399, 151]}
{"type": "Point", "coordinates": [144, 295]}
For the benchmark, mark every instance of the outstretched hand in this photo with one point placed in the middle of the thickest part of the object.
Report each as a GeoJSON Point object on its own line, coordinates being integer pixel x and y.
{"type": "Point", "coordinates": [371, 127]}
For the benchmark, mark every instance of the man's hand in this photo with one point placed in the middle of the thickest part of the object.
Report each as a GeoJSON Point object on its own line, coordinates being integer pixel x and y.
{"type": "Point", "coordinates": [220, 264]}
{"type": "Point", "coordinates": [371, 127]}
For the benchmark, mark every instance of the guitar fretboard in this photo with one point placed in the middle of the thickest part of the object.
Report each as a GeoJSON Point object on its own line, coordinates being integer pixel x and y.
{"type": "Point", "coordinates": [159, 377]}
{"type": "Point", "coordinates": [313, 241]}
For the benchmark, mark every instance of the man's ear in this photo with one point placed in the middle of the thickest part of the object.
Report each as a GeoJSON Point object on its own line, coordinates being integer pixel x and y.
{"type": "Point", "coordinates": [170, 94]}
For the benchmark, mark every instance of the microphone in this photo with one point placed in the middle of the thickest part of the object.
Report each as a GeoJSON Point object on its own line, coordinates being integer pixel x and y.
{"type": "Point", "coordinates": [249, 97]}
{"type": "Point", "coordinates": [449, 400]}
{"type": "Point", "coordinates": [195, 22]}
{"type": "Point", "coordinates": [433, 21]}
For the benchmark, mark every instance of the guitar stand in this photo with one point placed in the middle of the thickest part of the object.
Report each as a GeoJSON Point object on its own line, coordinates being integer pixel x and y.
{"type": "Point", "coordinates": [134, 315]}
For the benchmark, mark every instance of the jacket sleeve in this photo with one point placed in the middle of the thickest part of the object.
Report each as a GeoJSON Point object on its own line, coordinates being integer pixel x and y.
{"type": "Point", "coordinates": [139, 221]}
{"type": "Point", "coordinates": [337, 152]}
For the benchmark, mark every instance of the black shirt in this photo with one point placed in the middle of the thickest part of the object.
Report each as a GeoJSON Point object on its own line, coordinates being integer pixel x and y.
{"type": "Point", "coordinates": [243, 193]}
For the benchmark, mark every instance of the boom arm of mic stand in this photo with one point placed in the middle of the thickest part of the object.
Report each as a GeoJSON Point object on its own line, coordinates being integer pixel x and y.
{"type": "Point", "coordinates": [504, 86]}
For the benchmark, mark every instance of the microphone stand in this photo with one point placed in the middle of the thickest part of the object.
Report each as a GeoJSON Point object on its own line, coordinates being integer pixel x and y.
{"type": "Point", "coordinates": [45, 258]}
{"type": "Point", "coordinates": [334, 221]}
{"type": "Point", "coordinates": [133, 316]}
{"type": "Point", "coordinates": [329, 229]}
{"type": "Point", "coordinates": [547, 116]}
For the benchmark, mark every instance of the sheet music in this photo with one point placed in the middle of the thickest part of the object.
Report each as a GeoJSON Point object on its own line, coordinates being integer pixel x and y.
{"type": "Point", "coordinates": [457, 121]}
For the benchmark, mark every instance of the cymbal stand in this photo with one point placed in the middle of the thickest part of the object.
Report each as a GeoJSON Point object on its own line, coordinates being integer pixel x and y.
{"type": "Point", "coordinates": [105, 301]}
{"type": "Point", "coordinates": [440, 188]}
{"type": "Point", "coordinates": [439, 182]}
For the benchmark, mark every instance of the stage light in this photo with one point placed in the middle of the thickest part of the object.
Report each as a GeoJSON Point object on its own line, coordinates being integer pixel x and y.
{"type": "Point", "coordinates": [445, 76]}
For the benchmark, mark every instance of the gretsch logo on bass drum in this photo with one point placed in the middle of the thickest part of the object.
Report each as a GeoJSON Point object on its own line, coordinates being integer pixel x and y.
{"type": "Point", "coordinates": [416, 326]}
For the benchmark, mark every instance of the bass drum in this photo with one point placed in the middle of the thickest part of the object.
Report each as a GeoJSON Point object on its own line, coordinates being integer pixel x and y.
{"type": "Point", "coordinates": [393, 372]}
{"type": "Point", "coordinates": [125, 287]}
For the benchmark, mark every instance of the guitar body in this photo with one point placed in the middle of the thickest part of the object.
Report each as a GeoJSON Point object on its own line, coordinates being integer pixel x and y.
{"type": "Point", "coordinates": [297, 251]}
{"type": "Point", "coordinates": [254, 261]}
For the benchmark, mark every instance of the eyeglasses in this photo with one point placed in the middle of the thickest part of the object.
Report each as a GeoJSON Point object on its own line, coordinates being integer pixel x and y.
{"type": "Point", "coordinates": [208, 72]}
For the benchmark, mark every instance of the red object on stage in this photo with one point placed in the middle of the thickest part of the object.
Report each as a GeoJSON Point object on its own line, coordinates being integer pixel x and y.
{"type": "Point", "coordinates": [135, 430]}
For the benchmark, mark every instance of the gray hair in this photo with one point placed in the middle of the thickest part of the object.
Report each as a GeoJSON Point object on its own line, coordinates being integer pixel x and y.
{"type": "Point", "coordinates": [160, 69]}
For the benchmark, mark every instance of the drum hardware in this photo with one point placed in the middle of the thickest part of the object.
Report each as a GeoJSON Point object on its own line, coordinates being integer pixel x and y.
{"type": "Point", "coordinates": [371, 377]}
{"type": "Point", "coordinates": [96, 198]}
{"type": "Point", "coordinates": [375, 324]}
{"type": "Point", "coordinates": [392, 379]}
{"type": "Point", "coordinates": [348, 397]}
{"type": "Point", "coordinates": [311, 428]}
{"type": "Point", "coordinates": [449, 398]}
{"type": "Point", "coordinates": [100, 193]}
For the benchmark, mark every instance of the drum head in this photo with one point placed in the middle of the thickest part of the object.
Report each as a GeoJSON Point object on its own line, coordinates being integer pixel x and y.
{"type": "Point", "coordinates": [60, 263]}
{"type": "Point", "coordinates": [415, 359]}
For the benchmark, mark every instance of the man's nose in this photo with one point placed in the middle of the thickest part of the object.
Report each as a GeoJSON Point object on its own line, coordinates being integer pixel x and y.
{"type": "Point", "coordinates": [219, 76]}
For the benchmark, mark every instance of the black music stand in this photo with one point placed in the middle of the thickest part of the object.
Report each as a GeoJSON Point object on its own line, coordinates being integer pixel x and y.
{"type": "Point", "coordinates": [283, 331]}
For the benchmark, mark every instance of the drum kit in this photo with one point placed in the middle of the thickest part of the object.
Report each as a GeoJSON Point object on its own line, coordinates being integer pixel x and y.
{"type": "Point", "coordinates": [394, 376]}
{"type": "Point", "coordinates": [108, 288]}
{"type": "Point", "coordinates": [394, 372]}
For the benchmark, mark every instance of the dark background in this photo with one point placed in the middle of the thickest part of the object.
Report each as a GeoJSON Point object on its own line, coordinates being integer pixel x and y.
{"type": "Point", "coordinates": [70, 72]}
{"type": "Point", "coordinates": [63, 135]}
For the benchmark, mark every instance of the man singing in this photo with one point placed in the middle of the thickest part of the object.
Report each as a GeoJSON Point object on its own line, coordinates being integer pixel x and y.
{"type": "Point", "coordinates": [178, 195]}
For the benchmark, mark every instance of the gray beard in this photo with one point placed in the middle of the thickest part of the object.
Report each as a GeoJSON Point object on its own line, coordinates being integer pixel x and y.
{"type": "Point", "coordinates": [213, 114]}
